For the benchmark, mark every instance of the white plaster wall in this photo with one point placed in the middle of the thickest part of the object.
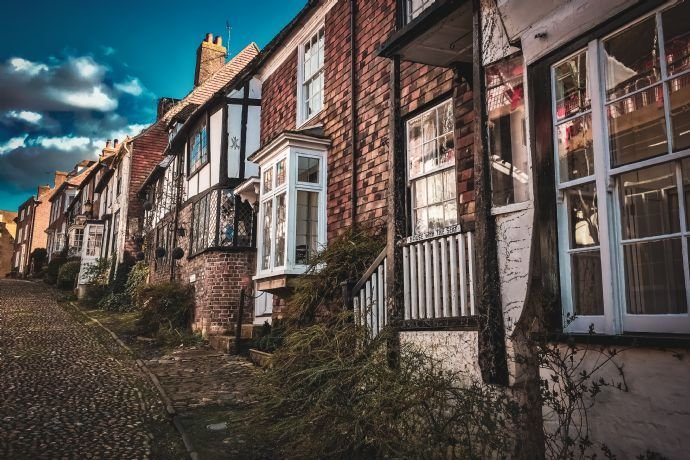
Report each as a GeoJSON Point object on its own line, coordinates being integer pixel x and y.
{"type": "Point", "coordinates": [253, 140]}
{"type": "Point", "coordinates": [234, 139]}
{"type": "Point", "coordinates": [457, 350]}
{"type": "Point", "coordinates": [217, 132]}
{"type": "Point", "coordinates": [654, 414]}
{"type": "Point", "coordinates": [545, 25]}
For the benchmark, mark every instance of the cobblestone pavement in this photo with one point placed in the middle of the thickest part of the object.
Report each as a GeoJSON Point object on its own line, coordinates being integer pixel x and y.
{"type": "Point", "coordinates": [199, 377]}
{"type": "Point", "coordinates": [65, 392]}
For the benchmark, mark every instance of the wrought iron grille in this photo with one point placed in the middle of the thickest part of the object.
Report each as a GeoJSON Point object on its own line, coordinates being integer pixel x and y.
{"type": "Point", "coordinates": [221, 220]}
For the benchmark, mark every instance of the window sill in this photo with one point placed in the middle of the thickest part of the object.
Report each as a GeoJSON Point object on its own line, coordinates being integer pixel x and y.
{"type": "Point", "coordinates": [514, 207]}
{"type": "Point", "coordinates": [639, 340]}
{"type": "Point", "coordinates": [302, 124]}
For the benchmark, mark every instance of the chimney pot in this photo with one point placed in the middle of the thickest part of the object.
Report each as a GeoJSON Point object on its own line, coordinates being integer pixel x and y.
{"type": "Point", "coordinates": [219, 41]}
{"type": "Point", "coordinates": [115, 143]}
{"type": "Point", "coordinates": [209, 37]}
{"type": "Point", "coordinates": [107, 144]}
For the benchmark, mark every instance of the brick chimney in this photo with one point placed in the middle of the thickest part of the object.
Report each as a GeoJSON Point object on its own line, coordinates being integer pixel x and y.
{"type": "Point", "coordinates": [210, 57]}
{"type": "Point", "coordinates": [42, 189]}
{"type": "Point", "coordinates": [60, 177]}
{"type": "Point", "coordinates": [164, 105]}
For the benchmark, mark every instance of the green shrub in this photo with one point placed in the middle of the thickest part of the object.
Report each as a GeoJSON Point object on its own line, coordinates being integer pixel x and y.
{"type": "Point", "coordinates": [136, 282]}
{"type": "Point", "coordinates": [97, 275]}
{"type": "Point", "coordinates": [167, 305]}
{"type": "Point", "coordinates": [67, 274]}
{"type": "Point", "coordinates": [54, 265]}
{"type": "Point", "coordinates": [269, 337]}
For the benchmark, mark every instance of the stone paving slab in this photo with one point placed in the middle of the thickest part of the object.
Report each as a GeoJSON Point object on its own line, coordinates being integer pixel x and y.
{"type": "Point", "coordinates": [65, 392]}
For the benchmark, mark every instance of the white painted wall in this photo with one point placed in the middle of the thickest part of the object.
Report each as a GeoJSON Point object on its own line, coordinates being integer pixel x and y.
{"type": "Point", "coordinates": [217, 133]}
{"type": "Point", "coordinates": [234, 139]}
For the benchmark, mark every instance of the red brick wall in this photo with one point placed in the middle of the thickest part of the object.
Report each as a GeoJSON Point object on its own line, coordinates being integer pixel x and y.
{"type": "Point", "coordinates": [278, 97]}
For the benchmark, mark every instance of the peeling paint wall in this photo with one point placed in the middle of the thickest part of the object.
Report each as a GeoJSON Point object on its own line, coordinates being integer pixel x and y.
{"type": "Point", "coordinates": [455, 349]}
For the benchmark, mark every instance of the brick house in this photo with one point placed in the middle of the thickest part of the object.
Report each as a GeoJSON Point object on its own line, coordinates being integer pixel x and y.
{"type": "Point", "coordinates": [8, 232]}
{"type": "Point", "coordinates": [62, 235]}
{"type": "Point", "coordinates": [31, 222]}
{"type": "Point", "coordinates": [530, 165]}
{"type": "Point", "coordinates": [195, 230]}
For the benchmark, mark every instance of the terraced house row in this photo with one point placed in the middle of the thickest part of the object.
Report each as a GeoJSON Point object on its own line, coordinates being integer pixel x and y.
{"type": "Point", "coordinates": [529, 162]}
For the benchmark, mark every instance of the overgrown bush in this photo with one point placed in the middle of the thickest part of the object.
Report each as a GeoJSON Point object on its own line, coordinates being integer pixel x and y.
{"type": "Point", "coordinates": [136, 282]}
{"type": "Point", "coordinates": [97, 275]}
{"type": "Point", "coordinates": [39, 257]}
{"type": "Point", "coordinates": [166, 306]}
{"type": "Point", "coordinates": [116, 297]}
{"type": "Point", "coordinates": [67, 274]}
{"type": "Point", "coordinates": [332, 394]}
{"type": "Point", "coordinates": [269, 336]}
{"type": "Point", "coordinates": [346, 258]}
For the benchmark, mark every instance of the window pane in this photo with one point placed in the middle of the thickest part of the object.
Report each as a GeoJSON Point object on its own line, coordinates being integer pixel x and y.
{"type": "Point", "coordinates": [654, 279]}
{"type": "Point", "coordinates": [268, 180]}
{"type": "Point", "coordinates": [450, 210]}
{"type": "Point", "coordinates": [435, 188]}
{"type": "Point", "coordinates": [421, 222]}
{"type": "Point", "coordinates": [632, 59]}
{"type": "Point", "coordinates": [308, 170]}
{"type": "Point", "coordinates": [436, 218]}
{"type": "Point", "coordinates": [679, 92]}
{"type": "Point", "coordinates": [280, 230]}
{"type": "Point", "coordinates": [280, 173]}
{"type": "Point", "coordinates": [507, 136]}
{"type": "Point", "coordinates": [686, 190]}
{"type": "Point", "coordinates": [575, 150]}
{"type": "Point", "coordinates": [449, 184]}
{"type": "Point", "coordinates": [587, 287]}
{"type": "Point", "coordinates": [419, 187]}
{"type": "Point", "coordinates": [637, 127]}
{"type": "Point", "coordinates": [414, 146]}
{"type": "Point", "coordinates": [445, 118]}
{"type": "Point", "coordinates": [584, 216]}
{"type": "Point", "coordinates": [572, 90]}
{"type": "Point", "coordinates": [649, 202]}
{"type": "Point", "coordinates": [677, 37]}
{"type": "Point", "coordinates": [267, 225]}
{"type": "Point", "coordinates": [307, 226]}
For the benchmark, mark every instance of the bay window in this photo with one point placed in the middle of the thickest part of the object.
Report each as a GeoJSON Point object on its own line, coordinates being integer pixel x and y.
{"type": "Point", "coordinates": [432, 178]}
{"type": "Point", "coordinates": [621, 115]}
{"type": "Point", "coordinates": [292, 210]}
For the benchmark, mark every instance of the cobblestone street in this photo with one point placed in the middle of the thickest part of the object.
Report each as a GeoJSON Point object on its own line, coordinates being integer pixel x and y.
{"type": "Point", "coordinates": [65, 392]}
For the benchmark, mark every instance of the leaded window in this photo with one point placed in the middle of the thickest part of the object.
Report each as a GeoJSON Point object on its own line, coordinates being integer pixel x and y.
{"type": "Point", "coordinates": [198, 147]}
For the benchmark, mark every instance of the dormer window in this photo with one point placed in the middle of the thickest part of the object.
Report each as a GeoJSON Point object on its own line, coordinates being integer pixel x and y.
{"type": "Point", "coordinates": [198, 147]}
{"type": "Point", "coordinates": [292, 212]}
{"type": "Point", "coordinates": [311, 77]}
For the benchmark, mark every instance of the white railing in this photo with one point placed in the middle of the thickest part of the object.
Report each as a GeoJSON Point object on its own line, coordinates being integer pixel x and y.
{"type": "Point", "coordinates": [438, 276]}
{"type": "Point", "coordinates": [369, 297]}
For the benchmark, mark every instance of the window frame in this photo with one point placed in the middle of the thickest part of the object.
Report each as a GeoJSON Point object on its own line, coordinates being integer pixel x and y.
{"type": "Point", "coordinates": [198, 130]}
{"type": "Point", "coordinates": [408, 14]}
{"type": "Point", "coordinates": [527, 203]}
{"type": "Point", "coordinates": [302, 119]}
{"type": "Point", "coordinates": [290, 188]}
{"type": "Point", "coordinates": [615, 318]}
{"type": "Point", "coordinates": [450, 166]}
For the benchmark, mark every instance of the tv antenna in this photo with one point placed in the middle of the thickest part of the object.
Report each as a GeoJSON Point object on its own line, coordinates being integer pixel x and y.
{"type": "Point", "coordinates": [228, 30]}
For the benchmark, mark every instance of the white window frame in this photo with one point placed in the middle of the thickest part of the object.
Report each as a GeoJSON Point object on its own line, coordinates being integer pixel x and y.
{"type": "Point", "coordinates": [410, 14]}
{"type": "Point", "coordinates": [302, 119]}
{"type": "Point", "coordinates": [426, 174]}
{"type": "Point", "coordinates": [616, 319]}
{"type": "Point", "coordinates": [290, 187]}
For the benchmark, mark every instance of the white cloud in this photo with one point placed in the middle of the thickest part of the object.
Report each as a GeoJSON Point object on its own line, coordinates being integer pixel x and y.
{"type": "Point", "coordinates": [13, 143]}
{"type": "Point", "coordinates": [65, 143]}
{"type": "Point", "coordinates": [93, 99]}
{"type": "Point", "coordinates": [21, 65]}
{"type": "Point", "coordinates": [25, 115]}
{"type": "Point", "coordinates": [133, 87]}
{"type": "Point", "coordinates": [108, 50]}
{"type": "Point", "coordinates": [86, 67]}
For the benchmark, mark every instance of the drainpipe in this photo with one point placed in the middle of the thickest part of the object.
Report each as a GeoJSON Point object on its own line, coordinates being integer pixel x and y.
{"type": "Point", "coordinates": [353, 111]}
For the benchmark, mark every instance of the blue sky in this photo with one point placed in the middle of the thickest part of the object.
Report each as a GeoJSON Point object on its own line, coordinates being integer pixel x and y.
{"type": "Point", "coordinates": [73, 74]}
